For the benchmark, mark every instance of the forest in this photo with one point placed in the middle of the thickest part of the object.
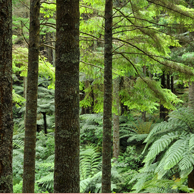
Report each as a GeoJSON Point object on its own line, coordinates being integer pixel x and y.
{"type": "Point", "coordinates": [96, 96]}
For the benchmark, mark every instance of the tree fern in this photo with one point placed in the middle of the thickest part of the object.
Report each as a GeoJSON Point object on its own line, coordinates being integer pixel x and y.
{"type": "Point", "coordinates": [160, 145]}
{"type": "Point", "coordinates": [172, 147]}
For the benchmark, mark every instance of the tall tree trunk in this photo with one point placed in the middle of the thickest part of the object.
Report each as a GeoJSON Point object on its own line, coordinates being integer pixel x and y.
{"type": "Point", "coordinates": [107, 113]}
{"type": "Point", "coordinates": [67, 131]}
{"type": "Point", "coordinates": [31, 100]}
{"type": "Point", "coordinates": [6, 122]}
{"type": "Point", "coordinates": [116, 119]}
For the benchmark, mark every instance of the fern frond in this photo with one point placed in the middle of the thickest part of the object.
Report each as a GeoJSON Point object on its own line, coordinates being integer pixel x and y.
{"type": "Point", "coordinates": [175, 154]}
{"type": "Point", "coordinates": [191, 142]}
{"type": "Point", "coordinates": [160, 145]}
{"type": "Point", "coordinates": [89, 161]}
{"type": "Point", "coordinates": [47, 181]}
{"type": "Point", "coordinates": [137, 137]}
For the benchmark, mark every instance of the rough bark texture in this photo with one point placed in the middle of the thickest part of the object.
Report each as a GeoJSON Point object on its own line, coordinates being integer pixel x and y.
{"type": "Point", "coordinates": [67, 132]}
{"type": "Point", "coordinates": [116, 119]}
{"type": "Point", "coordinates": [6, 122]}
{"type": "Point", "coordinates": [107, 113]}
{"type": "Point", "coordinates": [31, 99]}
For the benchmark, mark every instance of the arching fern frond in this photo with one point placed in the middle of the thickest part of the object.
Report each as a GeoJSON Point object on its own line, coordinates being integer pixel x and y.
{"type": "Point", "coordinates": [160, 145]}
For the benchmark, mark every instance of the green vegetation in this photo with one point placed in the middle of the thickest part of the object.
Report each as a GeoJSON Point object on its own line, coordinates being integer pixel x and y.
{"type": "Point", "coordinates": [156, 154]}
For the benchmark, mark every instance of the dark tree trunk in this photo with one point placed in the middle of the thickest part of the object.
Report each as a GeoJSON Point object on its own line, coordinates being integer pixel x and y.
{"type": "Point", "coordinates": [107, 113]}
{"type": "Point", "coordinates": [191, 180]}
{"type": "Point", "coordinates": [67, 131]}
{"type": "Point", "coordinates": [168, 81]}
{"type": "Point", "coordinates": [45, 124]}
{"type": "Point", "coordinates": [31, 100]}
{"type": "Point", "coordinates": [172, 84]}
{"type": "Point", "coordinates": [6, 122]}
{"type": "Point", "coordinates": [163, 110]}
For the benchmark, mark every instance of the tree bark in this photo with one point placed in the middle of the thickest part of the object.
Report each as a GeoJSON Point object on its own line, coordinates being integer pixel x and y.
{"type": "Point", "coordinates": [116, 119]}
{"type": "Point", "coordinates": [67, 131]}
{"type": "Point", "coordinates": [6, 121]}
{"type": "Point", "coordinates": [31, 100]}
{"type": "Point", "coordinates": [107, 112]}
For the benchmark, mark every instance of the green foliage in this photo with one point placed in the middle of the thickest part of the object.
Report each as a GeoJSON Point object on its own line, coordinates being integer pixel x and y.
{"type": "Point", "coordinates": [91, 128]}
{"type": "Point", "coordinates": [17, 99]}
{"type": "Point", "coordinates": [135, 132]}
{"type": "Point", "coordinates": [48, 9]}
{"type": "Point", "coordinates": [131, 159]}
{"type": "Point", "coordinates": [90, 162]}
{"type": "Point", "coordinates": [171, 148]}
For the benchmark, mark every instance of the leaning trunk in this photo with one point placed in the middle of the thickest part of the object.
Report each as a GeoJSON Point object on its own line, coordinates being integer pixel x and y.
{"type": "Point", "coordinates": [31, 99]}
{"type": "Point", "coordinates": [107, 113]}
{"type": "Point", "coordinates": [6, 122]}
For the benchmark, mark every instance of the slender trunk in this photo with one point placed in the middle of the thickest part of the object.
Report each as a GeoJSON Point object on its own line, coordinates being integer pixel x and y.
{"type": "Point", "coordinates": [107, 113]}
{"type": "Point", "coordinates": [67, 131]}
{"type": "Point", "coordinates": [168, 81]}
{"type": "Point", "coordinates": [6, 121]}
{"type": "Point", "coordinates": [116, 119]}
{"type": "Point", "coordinates": [163, 110]}
{"type": "Point", "coordinates": [172, 84]}
{"type": "Point", "coordinates": [31, 100]}
{"type": "Point", "coordinates": [45, 124]}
